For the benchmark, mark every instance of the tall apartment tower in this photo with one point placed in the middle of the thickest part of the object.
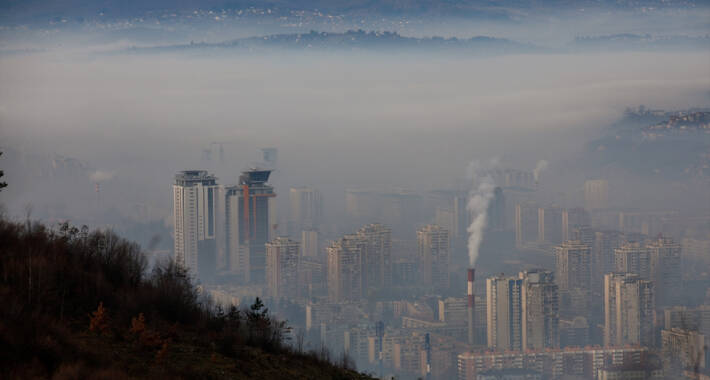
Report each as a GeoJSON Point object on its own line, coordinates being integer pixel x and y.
{"type": "Point", "coordinates": [526, 223]}
{"type": "Point", "coordinates": [633, 258]}
{"type": "Point", "coordinates": [309, 243]}
{"type": "Point", "coordinates": [345, 269]}
{"type": "Point", "coordinates": [666, 270]}
{"type": "Point", "coordinates": [550, 225]}
{"type": "Point", "coordinates": [306, 209]}
{"type": "Point", "coordinates": [596, 194]}
{"type": "Point", "coordinates": [573, 276]}
{"type": "Point", "coordinates": [496, 210]}
{"type": "Point", "coordinates": [628, 310]}
{"type": "Point", "coordinates": [504, 313]}
{"type": "Point", "coordinates": [604, 260]}
{"type": "Point", "coordinates": [252, 205]}
{"type": "Point", "coordinates": [376, 256]}
{"type": "Point", "coordinates": [433, 243]}
{"type": "Point", "coordinates": [231, 246]}
{"type": "Point", "coordinates": [541, 315]}
{"type": "Point", "coordinates": [194, 217]}
{"type": "Point", "coordinates": [572, 219]}
{"type": "Point", "coordinates": [282, 264]}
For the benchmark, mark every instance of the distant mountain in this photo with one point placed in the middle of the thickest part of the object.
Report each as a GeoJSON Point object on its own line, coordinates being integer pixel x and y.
{"type": "Point", "coordinates": [355, 40]}
{"type": "Point", "coordinates": [39, 10]}
{"type": "Point", "coordinates": [680, 125]}
{"type": "Point", "coordinates": [650, 143]}
{"type": "Point", "coordinates": [640, 42]}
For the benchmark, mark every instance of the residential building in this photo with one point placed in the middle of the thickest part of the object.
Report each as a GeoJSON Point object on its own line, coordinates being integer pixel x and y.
{"type": "Point", "coordinates": [573, 218]}
{"type": "Point", "coordinates": [526, 223]}
{"type": "Point", "coordinates": [628, 310]}
{"type": "Point", "coordinates": [306, 209]}
{"type": "Point", "coordinates": [433, 254]}
{"type": "Point", "coordinates": [194, 222]}
{"type": "Point", "coordinates": [504, 314]}
{"type": "Point", "coordinates": [596, 194]}
{"type": "Point", "coordinates": [603, 255]}
{"type": "Point", "coordinates": [309, 244]}
{"type": "Point", "coordinates": [633, 258]}
{"type": "Point", "coordinates": [249, 210]}
{"type": "Point", "coordinates": [345, 269]}
{"type": "Point", "coordinates": [282, 268]}
{"type": "Point", "coordinates": [573, 275]}
{"type": "Point", "coordinates": [665, 256]}
{"type": "Point", "coordinates": [376, 256]}
{"type": "Point", "coordinates": [550, 225]}
{"type": "Point", "coordinates": [683, 349]}
{"type": "Point", "coordinates": [552, 363]}
{"type": "Point", "coordinates": [540, 310]}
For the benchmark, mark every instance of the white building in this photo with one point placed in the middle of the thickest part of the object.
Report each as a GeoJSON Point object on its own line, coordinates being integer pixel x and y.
{"type": "Point", "coordinates": [194, 216]}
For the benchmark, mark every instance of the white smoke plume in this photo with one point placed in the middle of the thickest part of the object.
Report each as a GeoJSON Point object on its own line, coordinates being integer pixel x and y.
{"type": "Point", "coordinates": [479, 197]}
{"type": "Point", "coordinates": [541, 165]}
{"type": "Point", "coordinates": [101, 176]}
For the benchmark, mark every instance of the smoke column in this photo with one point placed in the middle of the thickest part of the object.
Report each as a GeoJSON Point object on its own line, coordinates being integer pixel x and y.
{"type": "Point", "coordinates": [478, 200]}
{"type": "Point", "coordinates": [541, 165]}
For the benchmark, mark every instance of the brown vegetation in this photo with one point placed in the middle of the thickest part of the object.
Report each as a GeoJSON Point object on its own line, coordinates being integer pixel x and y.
{"type": "Point", "coordinates": [81, 305]}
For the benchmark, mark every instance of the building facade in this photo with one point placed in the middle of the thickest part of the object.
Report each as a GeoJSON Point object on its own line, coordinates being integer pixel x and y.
{"type": "Point", "coordinates": [596, 194]}
{"type": "Point", "coordinates": [344, 274]}
{"type": "Point", "coordinates": [433, 254]}
{"type": "Point", "coordinates": [376, 256]}
{"type": "Point", "coordinates": [573, 273]}
{"type": "Point", "coordinates": [526, 223]}
{"type": "Point", "coordinates": [306, 209]}
{"type": "Point", "coordinates": [665, 255]}
{"type": "Point", "coordinates": [282, 268]}
{"type": "Point", "coordinates": [541, 316]}
{"type": "Point", "coordinates": [504, 313]}
{"type": "Point", "coordinates": [255, 204]}
{"type": "Point", "coordinates": [194, 222]}
{"type": "Point", "coordinates": [628, 310]}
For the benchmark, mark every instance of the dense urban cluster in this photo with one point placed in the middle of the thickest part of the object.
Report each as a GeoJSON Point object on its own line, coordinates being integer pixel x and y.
{"type": "Point", "coordinates": [598, 293]}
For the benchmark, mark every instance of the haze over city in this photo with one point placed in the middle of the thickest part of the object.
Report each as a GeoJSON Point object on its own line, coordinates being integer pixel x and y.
{"type": "Point", "coordinates": [350, 164]}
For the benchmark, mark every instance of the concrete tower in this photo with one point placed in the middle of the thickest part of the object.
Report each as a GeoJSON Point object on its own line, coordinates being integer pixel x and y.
{"type": "Point", "coordinates": [194, 218]}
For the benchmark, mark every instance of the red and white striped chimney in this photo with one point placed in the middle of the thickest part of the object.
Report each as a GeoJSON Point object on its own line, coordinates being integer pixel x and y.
{"type": "Point", "coordinates": [471, 306]}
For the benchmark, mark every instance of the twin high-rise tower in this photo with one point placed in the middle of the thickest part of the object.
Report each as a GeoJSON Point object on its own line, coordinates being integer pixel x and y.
{"type": "Point", "coordinates": [195, 221]}
{"type": "Point", "coordinates": [223, 228]}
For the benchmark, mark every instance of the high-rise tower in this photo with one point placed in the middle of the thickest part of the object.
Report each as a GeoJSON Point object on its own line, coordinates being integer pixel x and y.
{"type": "Point", "coordinates": [573, 275]}
{"type": "Point", "coordinates": [540, 303]}
{"type": "Point", "coordinates": [666, 270]}
{"type": "Point", "coordinates": [376, 256]}
{"type": "Point", "coordinates": [345, 269]}
{"type": "Point", "coordinates": [306, 209]}
{"type": "Point", "coordinates": [433, 243]}
{"type": "Point", "coordinates": [596, 194]}
{"type": "Point", "coordinates": [628, 310]}
{"type": "Point", "coordinates": [251, 206]}
{"type": "Point", "coordinates": [282, 263]}
{"type": "Point", "coordinates": [633, 258]}
{"type": "Point", "coordinates": [526, 223]}
{"type": "Point", "coordinates": [194, 217]}
{"type": "Point", "coordinates": [504, 313]}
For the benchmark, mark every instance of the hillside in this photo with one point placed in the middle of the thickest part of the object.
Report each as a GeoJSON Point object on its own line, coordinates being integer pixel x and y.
{"type": "Point", "coordinates": [655, 144]}
{"type": "Point", "coordinates": [80, 305]}
{"type": "Point", "coordinates": [355, 40]}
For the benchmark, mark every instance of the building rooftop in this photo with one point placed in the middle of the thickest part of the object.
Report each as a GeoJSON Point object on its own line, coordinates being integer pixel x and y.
{"type": "Point", "coordinates": [191, 177]}
{"type": "Point", "coordinates": [254, 177]}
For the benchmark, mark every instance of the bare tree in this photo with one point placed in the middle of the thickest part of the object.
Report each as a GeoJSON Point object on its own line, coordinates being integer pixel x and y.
{"type": "Point", "coordinates": [2, 184]}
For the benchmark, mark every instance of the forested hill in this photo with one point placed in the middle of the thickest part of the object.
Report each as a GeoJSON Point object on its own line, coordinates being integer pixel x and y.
{"type": "Point", "coordinates": [80, 305]}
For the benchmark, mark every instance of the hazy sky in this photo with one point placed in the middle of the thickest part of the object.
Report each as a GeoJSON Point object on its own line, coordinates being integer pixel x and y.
{"type": "Point", "coordinates": [339, 119]}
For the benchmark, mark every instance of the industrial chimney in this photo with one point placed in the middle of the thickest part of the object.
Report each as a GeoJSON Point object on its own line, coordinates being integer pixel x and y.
{"type": "Point", "coordinates": [471, 306]}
